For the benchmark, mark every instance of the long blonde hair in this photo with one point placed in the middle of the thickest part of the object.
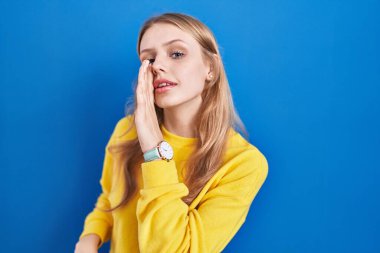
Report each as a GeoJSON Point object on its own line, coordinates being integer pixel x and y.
{"type": "Point", "coordinates": [216, 117]}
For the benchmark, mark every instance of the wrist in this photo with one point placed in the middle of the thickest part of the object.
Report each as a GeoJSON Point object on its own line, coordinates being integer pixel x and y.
{"type": "Point", "coordinates": [158, 159]}
{"type": "Point", "coordinates": [150, 146]}
{"type": "Point", "coordinates": [162, 151]}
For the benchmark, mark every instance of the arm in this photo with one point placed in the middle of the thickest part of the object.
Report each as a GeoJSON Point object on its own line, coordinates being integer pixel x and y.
{"type": "Point", "coordinates": [167, 224]}
{"type": "Point", "coordinates": [98, 222]}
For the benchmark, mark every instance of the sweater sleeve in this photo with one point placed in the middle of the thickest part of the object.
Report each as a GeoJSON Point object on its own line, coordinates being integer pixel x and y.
{"type": "Point", "coordinates": [167, 224]}
{"type": "Point", "coordinates": [99, 222]}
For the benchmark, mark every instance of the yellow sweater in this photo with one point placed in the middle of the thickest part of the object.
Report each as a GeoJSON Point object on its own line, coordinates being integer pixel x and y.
{"type": "Point", "coordinates": [157, 220]}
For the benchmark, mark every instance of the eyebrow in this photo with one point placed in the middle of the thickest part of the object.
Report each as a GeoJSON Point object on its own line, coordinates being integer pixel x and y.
{"type": "Point", "coordinates": [164, 44]}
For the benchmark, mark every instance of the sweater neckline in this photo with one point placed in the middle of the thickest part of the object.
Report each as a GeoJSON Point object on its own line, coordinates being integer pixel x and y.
{"type": "Point", "coordinates": [177, 140]}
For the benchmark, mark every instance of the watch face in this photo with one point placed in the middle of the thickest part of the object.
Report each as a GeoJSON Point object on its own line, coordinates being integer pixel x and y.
{"type": "Point", "coordinates": [166, 150]}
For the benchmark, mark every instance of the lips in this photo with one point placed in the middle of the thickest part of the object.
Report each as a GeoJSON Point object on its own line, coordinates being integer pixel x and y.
{"type": "Point", "coordinates": [160, 81]}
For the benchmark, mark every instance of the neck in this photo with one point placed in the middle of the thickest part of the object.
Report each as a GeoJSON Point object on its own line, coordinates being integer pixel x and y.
{"type": "Point", "coordinates": [181, 120]}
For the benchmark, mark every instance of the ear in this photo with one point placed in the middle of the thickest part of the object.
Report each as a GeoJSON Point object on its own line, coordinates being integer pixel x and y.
{"type": "Point", "coordinates": [210, 69]}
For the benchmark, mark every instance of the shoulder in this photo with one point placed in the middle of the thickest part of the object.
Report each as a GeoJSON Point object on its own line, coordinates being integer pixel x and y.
{"type": "Point", "coordinates": [244, 157]}
{"type": "Point", "coordinates": [244, 169]}
{"type": "Point", "coordinates": [124, 130]}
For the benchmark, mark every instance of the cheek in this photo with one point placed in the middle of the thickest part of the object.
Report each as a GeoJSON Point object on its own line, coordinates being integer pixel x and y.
{"type": "Point", "coordinates": [192, 77]}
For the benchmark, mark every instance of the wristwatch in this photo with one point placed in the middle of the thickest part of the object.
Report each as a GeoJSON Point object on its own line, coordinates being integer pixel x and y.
{"type": "Point", "coordinates": [162, 151]}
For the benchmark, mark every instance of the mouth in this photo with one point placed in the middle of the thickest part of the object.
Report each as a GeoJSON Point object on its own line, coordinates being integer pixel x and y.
{"type": "Point", "coordinates": [163, 85]}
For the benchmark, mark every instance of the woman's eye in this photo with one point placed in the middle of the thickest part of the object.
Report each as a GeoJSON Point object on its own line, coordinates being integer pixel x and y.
{"type": "Point", "coordinates": [177, 54]}
{"type": "Point", "coordinates": [174, 55]}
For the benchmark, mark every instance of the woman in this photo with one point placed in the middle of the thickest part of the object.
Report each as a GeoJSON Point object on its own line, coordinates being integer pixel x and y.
{"type": "Point", "coordinates": [177, 177]}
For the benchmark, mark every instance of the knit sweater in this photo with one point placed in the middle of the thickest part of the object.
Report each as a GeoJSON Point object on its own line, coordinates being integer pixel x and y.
{"type": "Point", "coordinates": [156, 219]}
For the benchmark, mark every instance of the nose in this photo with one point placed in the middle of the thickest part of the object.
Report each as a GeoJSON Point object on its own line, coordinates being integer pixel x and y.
{"type": "Point", "coordinates": [158, 66]}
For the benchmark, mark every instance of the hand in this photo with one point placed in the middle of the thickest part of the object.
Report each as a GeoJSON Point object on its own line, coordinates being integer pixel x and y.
{"type": "Point", "coordinates": [147, 127]}
{"type": "Point", "coordinates": [88, 244]}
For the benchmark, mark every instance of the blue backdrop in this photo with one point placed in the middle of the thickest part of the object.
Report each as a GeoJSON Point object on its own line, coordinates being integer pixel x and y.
{"type": "Point", "coordinates": [305, 77]}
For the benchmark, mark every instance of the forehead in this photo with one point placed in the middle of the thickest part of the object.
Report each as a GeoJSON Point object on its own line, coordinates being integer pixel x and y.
{"type": "Point", "coordinates": [160, 33]}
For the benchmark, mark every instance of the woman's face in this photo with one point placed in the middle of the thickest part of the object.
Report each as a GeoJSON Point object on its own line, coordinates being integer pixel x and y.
{"type": "Point", "coordinates": [176, 57]}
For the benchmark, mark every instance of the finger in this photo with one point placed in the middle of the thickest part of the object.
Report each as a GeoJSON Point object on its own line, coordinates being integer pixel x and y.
{"type": "Point", "coordinates": [146, 75]}
{"type": "Point", "coordinates": [147, 72]}
{"type": "Point", "coordinates": [148, 91]}
{"type": "Point", "coordinates": [141, 73]}
{"type": "Point", "coordinates": [141, 80]}
{"type": "Point", "coordinates": [150, 79]}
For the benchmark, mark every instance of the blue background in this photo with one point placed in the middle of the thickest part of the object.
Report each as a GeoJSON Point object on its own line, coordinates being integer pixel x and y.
{"type": "Point", "coordinates": [305, 77]}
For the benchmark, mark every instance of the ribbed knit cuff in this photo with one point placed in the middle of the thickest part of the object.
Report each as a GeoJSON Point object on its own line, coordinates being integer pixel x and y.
{"type": "Point", "coordinates": [97, 228]}
{"type": "Point", "coordinates": [159, 172]}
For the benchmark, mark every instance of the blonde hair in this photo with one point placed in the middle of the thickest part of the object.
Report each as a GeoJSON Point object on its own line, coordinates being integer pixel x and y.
{"type": "Point", "coordinates": [216, 117]}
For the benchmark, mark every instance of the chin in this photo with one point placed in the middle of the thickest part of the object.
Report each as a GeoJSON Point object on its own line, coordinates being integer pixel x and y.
{"type": "Point", "coordinates": [165, 103]}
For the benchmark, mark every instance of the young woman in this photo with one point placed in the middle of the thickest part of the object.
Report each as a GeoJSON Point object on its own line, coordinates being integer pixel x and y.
{"type": "Point", "coordinates": [177, 175]}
